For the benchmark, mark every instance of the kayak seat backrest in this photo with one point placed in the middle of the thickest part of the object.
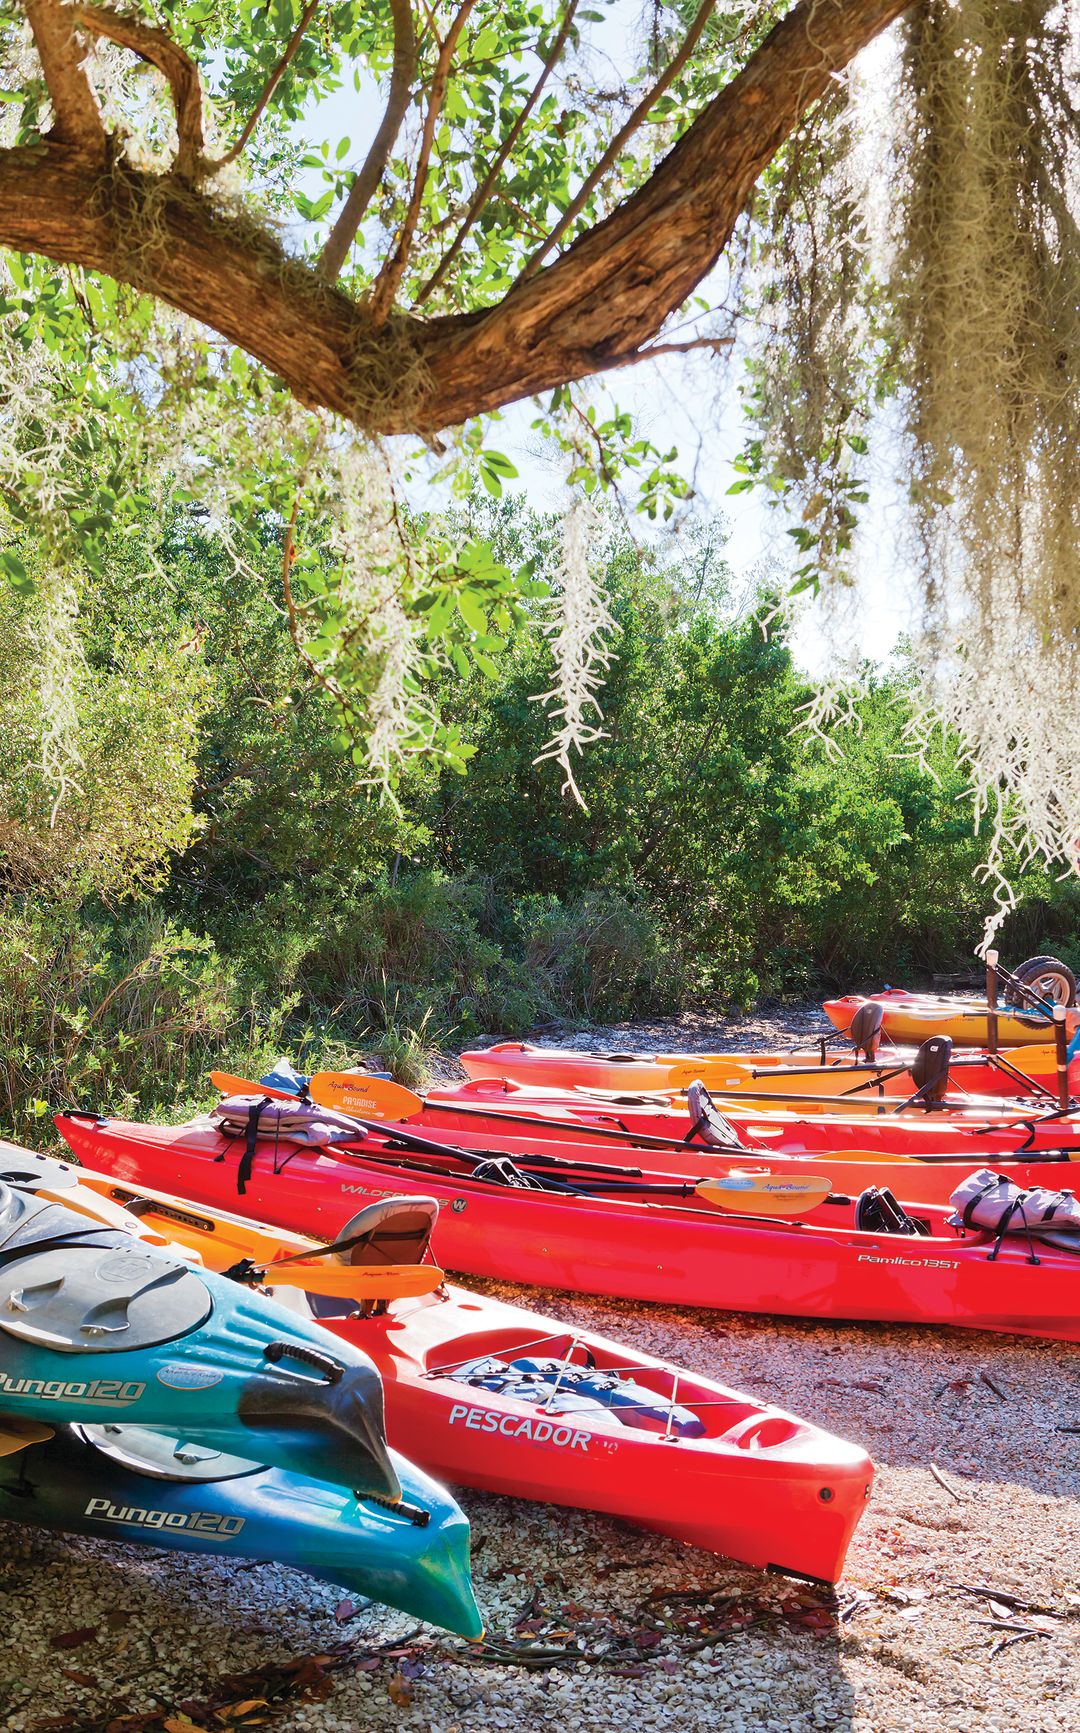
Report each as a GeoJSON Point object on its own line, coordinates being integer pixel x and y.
{"type": "Point", "coordinates": [707, 1122]}
{"type": "Point", "coordinates": [864, 1030]}
{"type": "Point", "coordinates": [930, 1067]}
{"type": "Point", "coordinates": [877, 1212]}
{"type": "Point", "coordinates": [396, 1230]}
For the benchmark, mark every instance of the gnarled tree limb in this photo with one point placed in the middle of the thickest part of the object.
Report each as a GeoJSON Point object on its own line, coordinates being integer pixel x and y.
{"type": "Point", "coordinates": [78, 118]}
{"type": "Point", "coordinates": [362, 191]}
{"type": "Point", "coordinates": [604, 299]}
{"type": "Point", "coordinates": [158, 49]}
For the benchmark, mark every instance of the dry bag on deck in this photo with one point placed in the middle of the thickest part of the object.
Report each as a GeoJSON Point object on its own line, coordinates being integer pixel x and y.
{"type": "Point", "coordinates": [992, 1201]}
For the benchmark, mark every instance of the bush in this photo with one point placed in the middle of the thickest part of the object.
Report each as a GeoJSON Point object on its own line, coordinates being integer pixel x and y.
{"type": "Point", "coordinates": [122, 1014]}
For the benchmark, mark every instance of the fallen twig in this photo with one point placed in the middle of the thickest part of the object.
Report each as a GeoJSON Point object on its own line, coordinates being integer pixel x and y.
{"type": "Point", "coordinates": [939, 1476]}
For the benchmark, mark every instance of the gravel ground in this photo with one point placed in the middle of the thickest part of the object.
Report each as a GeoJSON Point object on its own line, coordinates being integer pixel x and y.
{"type": "Point", "coordinates": [149, 1639]}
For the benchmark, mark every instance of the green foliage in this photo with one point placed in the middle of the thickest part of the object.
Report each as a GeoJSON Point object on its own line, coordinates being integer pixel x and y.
{"type": "Point", "coordinates": [218, 883]}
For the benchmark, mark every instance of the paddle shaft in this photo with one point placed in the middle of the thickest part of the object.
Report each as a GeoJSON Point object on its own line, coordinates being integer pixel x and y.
{"type": "Point", "coordinates": [573, 1129]}
{"type": "Point", "coordinates": [736, 1201]}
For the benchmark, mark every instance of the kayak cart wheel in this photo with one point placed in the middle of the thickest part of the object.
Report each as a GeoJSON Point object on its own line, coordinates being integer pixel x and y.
{"type": "Point", "coordinates": [1049, 978]}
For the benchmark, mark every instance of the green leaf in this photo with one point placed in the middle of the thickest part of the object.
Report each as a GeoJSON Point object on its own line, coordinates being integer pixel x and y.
{"type": "Point", "coordinates": [471, 611]}
{"type": "Point", "coordinates": [16, 573]}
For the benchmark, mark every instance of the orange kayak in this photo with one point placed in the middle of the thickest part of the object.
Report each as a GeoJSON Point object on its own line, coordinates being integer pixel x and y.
{"type": "Point", "coordinates": [761, 1075]}
{"type": "Point", "coordinates": [913, 1017]}
{"type": "Point", "coordinates": [760, 1082]}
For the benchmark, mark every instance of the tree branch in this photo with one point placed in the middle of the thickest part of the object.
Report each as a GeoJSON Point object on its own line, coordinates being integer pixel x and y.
{"type": "Point", "coordinates": [611, 291]}
{"type": "Point", "coordinates": [604, 299]}
{"type": "Point", "coordinates": [389, 278]}
{"type": "Point", "coordinates": [483, 191]}
{"type": "Point", "coordinates": [268, 88]}
{"type": "Point", "coordinates": [623, 136]}
{"type": "Point", "coordinates": [362, 191]}
{"type": "Point", "coordinates": [158, 49]}
{"type": "Point", "coordinates": [77, 119]}
{"type": "Point", "coordinates": [714, 344]}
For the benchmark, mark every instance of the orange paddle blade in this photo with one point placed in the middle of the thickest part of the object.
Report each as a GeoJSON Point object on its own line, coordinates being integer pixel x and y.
{"type": "Point", "coordinates": [15, 1435]}
{"type": "Point", "coordinates": [366, 1097]}
{"type": "Point", "coordinates": [355, 1281]}
{"type": "Point", "coordinates": [765, 1194]}
{"type": "Point", "coordinates": [230, 1085]}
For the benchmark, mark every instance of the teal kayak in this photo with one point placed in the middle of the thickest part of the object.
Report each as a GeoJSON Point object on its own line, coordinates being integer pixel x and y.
{"type": "Point", "coordinates": [128, 1483]}
{"type": "Point", "coordinates": [96, 1326]}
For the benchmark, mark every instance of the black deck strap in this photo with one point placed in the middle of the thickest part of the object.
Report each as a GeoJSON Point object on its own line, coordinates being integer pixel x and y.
{"type": "Point", "coordinates": [247, 1160]}
{"type": "Point", "coordinates": [247, 1270]}
{"type": "Point", "coordinates": [969, 1208]}
{"type": "Point", "coordinates": [1015, 1207]}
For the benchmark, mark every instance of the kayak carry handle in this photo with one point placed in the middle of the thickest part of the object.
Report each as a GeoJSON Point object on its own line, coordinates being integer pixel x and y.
{"type": "Point", "coordinates": [331, 1369]}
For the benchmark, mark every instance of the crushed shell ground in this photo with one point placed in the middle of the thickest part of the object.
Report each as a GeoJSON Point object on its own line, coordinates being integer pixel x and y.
{"type": "Point", "coordinates": [907, 1647]}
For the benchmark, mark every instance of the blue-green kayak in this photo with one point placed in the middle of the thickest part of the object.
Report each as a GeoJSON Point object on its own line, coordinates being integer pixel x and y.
{"type": "Point", "coordinates": [96, 1326]}
{"type": "Point", "coordinates": [131, 1484]}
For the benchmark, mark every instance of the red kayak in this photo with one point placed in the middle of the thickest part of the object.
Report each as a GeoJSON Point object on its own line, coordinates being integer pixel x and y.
{"type": "Point", "coordinates": [490, 1396]}
{"type": "Point", "coordinates": [865, 1151]}
{"type": "Point", "coordinates": [678, 1253]}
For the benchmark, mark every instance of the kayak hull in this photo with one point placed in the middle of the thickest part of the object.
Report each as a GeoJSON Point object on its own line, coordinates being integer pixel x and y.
{"type": "Point", "coordinates": [757, 1484]}
{"type": "Point", "coordinates": [70, 1484]}
{"type": "Point", "coordinates": [675, 1255]}
{"type": "Point", "coordinates": [914, 1017]}
{"type": "Point", "coordinates": [758, 1074]}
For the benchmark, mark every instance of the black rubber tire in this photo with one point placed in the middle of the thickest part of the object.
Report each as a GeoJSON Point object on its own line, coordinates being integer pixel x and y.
{"type": "Point", "coordinates": [1052, 978]}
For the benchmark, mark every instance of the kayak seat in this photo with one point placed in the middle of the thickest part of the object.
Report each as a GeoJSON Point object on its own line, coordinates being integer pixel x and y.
{"type": "Point", "coordinates": [396, 1230]}
{"type": "Point", "coordinates": [930, 1068]}
{"type": "Point", "coordinates": [707, 1122]}
{"type": "Point", "coordinates": [877, 1212]}
{"type": "Point", "coordinates": [864, 1030]}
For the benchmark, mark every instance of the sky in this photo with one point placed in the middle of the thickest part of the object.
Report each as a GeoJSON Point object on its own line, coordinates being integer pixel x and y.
{"type": "Point", "coordinates": [689, 402]}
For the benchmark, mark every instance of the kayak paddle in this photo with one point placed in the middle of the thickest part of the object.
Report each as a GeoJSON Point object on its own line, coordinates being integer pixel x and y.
{"type": "Point", "coordinates": [385, 1100]}
{"type": "Point", "coordinates": [15, 1435]}
{"type": "Point", "coordinates": [350, 1281]}
{"type": "Point", "coordinates": [356, 1093]}
{"type": "Point", "coordinates": [764, 1194]}
{"type": "Point", "coordinates": [756, 1194]}
{"type": "Point", "coordinates": [230, 1085]}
